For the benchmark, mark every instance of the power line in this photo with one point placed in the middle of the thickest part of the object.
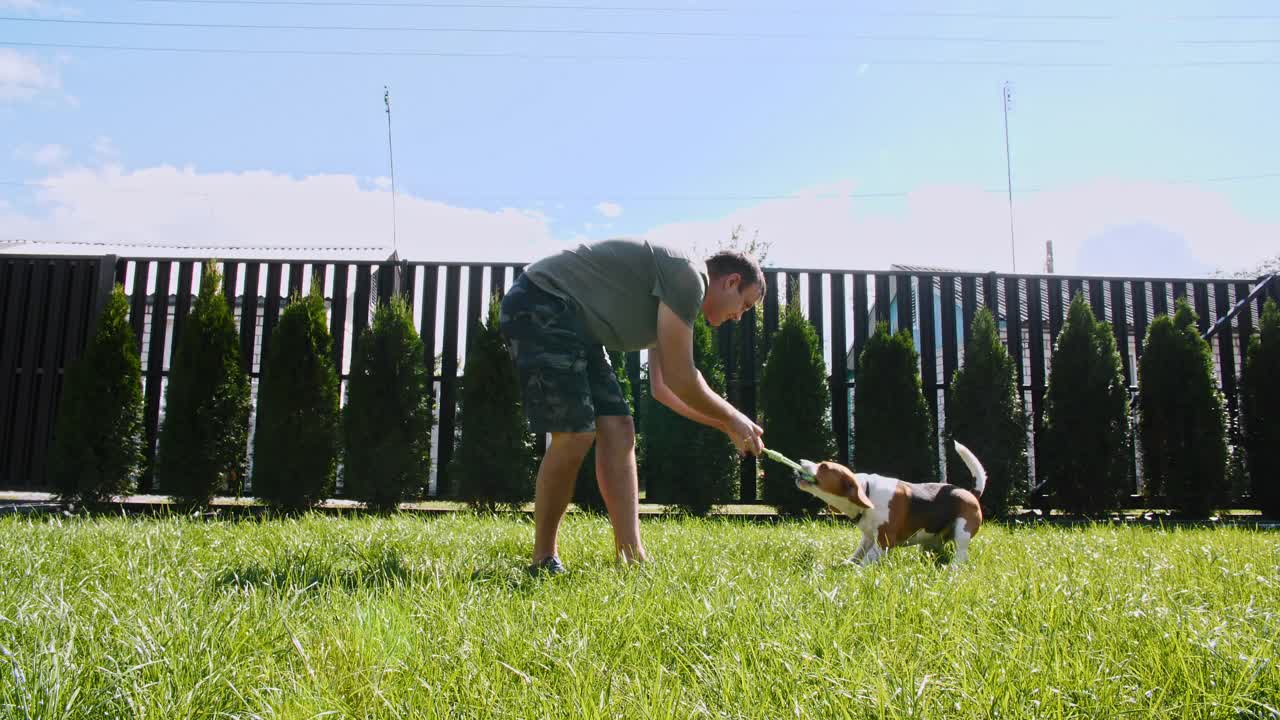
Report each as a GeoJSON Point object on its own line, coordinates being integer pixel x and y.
{"type": "Point", "coordinates": [643, 57]}
{"type": "Point", "coordinates": [445, 5]}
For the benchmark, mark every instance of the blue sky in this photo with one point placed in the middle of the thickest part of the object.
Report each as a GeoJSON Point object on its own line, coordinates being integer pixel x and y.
{"type": "Point", "coordinates": [851, 135]}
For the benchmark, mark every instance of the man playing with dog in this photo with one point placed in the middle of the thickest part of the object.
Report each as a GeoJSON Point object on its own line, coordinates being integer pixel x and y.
{"type": "Point", "coordinates": [628, 295]}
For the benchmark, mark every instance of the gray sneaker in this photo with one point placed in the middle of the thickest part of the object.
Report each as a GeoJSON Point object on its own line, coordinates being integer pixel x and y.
{"type": "Point", "coordinates": [550, 566]}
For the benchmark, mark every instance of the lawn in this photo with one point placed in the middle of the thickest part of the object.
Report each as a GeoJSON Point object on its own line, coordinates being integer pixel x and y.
{"type": "Point", "coordinates": [421, 617]}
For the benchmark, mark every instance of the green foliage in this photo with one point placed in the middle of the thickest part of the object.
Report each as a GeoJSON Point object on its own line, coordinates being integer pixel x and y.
{"type": "Point", "coordinates": [1182, 422]}
{"type": "Point", "coordinates": [97, 440]}
{"type": "Point", "coordinates": [388, 418]}
{"type": "Point", "coordinates": [795, 403]}
{"type": "Point", "coordinates": [204, 437]}
{"type": "Point", "coordinates": [494, 461]}
{"type": "Point", "coordinates": [893, 432]}
{"type": "Point", "coordinates": [687, 464]}
{"type": "Point", "coordinates": [984, 412]}
{"type": "Point", "coordinates": [1260, 411]}
{"type": "Point", "coordinates": [296, 436]}
{"type": "Point", "coordinates": [1085, 437]}
{"type": "Point", "coordinates": [586, 489]}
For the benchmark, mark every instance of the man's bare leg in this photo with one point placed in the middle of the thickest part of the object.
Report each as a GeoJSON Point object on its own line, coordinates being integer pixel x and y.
{"type": "Point", "coordinates": [554, 489]}
{"type": "Point", "coordinates": [619, 485]}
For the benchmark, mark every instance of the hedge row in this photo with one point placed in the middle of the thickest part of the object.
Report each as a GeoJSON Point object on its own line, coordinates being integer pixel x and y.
{"type": "Point", "coordinates": [379, 441]}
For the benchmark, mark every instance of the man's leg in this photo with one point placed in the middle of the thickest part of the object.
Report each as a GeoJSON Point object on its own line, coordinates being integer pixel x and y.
{"type": "Point", "coordinates": [619, 485]}
{"type": "Point", "coordinates": [554, 489]}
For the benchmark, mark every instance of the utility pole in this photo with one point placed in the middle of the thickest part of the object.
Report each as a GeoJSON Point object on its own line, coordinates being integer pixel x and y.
{"type": "Point", "coordinates": [386, 99]}
{"type": "Point", "coordinates": [1006, 101]}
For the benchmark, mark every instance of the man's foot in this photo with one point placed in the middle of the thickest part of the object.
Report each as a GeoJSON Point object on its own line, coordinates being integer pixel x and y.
{"type": "Point", "coordinates": [549, 566]}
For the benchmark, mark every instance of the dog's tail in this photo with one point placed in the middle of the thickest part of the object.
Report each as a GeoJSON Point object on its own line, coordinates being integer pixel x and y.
{"type": "Point", "coordinates": [975, 467]}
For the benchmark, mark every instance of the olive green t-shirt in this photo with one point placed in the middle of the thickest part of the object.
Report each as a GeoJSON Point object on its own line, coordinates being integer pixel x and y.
{"type": "Point", "coordinates": [618, 284]}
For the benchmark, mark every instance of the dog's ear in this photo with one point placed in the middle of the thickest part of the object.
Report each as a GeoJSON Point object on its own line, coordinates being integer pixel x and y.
{"type": "Point", "coordinates": [858, 493]}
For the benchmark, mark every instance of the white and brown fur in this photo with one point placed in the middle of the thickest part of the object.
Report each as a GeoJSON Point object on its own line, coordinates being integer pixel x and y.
{"type": "Point", "coordinates": [890, 512]}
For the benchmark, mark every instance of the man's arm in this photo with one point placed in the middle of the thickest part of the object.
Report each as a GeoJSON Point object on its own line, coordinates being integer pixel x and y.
{"type": "Point", "coordinates": [664, 395]}
{"type": "Point", "coordinates": [678, 374]}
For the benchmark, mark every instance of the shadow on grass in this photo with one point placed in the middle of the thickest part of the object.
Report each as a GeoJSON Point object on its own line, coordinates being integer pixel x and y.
{"type": "Point", "coordinates": [371, 567]}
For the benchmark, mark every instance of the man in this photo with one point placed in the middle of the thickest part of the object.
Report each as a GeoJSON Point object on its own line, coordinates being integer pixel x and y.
{"type": "Point", "coordinates": [627, 295]}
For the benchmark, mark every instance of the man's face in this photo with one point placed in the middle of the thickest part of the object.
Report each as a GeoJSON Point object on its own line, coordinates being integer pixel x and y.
{"type": "Point", "coordinates": [727, 299]}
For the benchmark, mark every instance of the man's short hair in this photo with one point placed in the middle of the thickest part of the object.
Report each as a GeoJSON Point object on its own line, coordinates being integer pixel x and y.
{"type": "Point", "coordinates": [727, 262]}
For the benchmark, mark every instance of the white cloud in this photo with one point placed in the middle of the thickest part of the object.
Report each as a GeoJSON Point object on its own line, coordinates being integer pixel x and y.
{"type": "Point", "coordinates": [170, 206]}
{"type": "Point", "coordinates": [48, 156]}
{"type": "Point", "coordinates": [609, 209]}
{"type": "Point", "coordinates": [20, 4]}
{"type": "Point", "coordinates": [967, 228]}
{"type": "Point", "coordinates": [23, 77]}
{"type": "Point", "coordinates": [105, 149]}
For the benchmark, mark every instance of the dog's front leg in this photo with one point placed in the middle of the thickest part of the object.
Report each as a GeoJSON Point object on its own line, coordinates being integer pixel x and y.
{"type": "Point", "coordinates": [873, 553]}
{"type": "Point", "coordinates": [868, 542]}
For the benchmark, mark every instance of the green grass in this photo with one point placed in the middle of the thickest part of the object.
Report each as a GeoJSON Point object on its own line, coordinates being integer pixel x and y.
{"type": "Point", "coordinates": [432, 617]}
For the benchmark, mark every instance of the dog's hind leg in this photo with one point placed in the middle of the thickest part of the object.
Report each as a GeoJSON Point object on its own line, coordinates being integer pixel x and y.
{"type": "Point", "coordinates": [962, 537]}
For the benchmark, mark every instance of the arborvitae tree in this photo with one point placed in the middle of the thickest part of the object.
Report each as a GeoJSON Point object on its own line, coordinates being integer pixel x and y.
{"type": "Point", "coordinates": [1182, 423]}
{"type": "Point", "coordinates": [1086, 416]}
{"type": "Point", "coordinates": [388, 418]}
{"type": "Point", "coordinates": [1260, 411]}
{"type": "Point", "coordinates": [796, 410]}
{"type": "Point", "coordinates": [204, 438]}
{"type": "Point", "coordinates": [494, 461]}
{"type": "Point", "coordinates": [586, 489]}
{"type": "Point", "coordinates": [296, 438]}
{"type": "Point", "coordinates": [984, 412]}
{"type": "Point", "coordinates": [687, 464]}
{"type": "Point", "coordinates": [892, 431]}
{"type": "Point", "coordinates": [97, 440]}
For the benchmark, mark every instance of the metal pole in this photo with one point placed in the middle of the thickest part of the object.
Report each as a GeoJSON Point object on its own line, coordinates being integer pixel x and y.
{"type": "Point", "coordinates": [1006, 97]}
{"type": "Point", "coordinates": [386, 98]}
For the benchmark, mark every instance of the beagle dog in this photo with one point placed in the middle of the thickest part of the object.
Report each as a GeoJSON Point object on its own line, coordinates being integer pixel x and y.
{"type": "Point", "coordinates": [891, 512]}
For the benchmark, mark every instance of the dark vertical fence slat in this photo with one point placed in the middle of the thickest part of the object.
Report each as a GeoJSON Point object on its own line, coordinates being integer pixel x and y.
{"type": "Point", "coordinates": [1013, 326]}
{"type": "Point", "coordinates": [138, 306]}
{"type": "Point", "coordinates": [1203, 321]}
{"type": "Point", "coordinates": [1140, 315]}
{"type": "Point", "coordinates": [338, 317]}
{"type": "Point", "coordinates": [1244, 320]}
{"type": "Point", "coordinates": [17, 295]}
{"type": "Point", "coordinates": [249, 314]}
{"type": "Point", "coordinates": [968, 308]}
{"type": "Point", "coordinates": [1179, 291]}
{"type": "Point", "coordinates": [427, 328]}
{"type": "Point", "coordinates": [991, 295]}
{"type": "Point", "coordinates": [474, 311]}
{"type": "Point", "coordinates": [182, 301]}
{"type": "Point", "coordinates": [1159, 299]}
{"type": "Point", "coordinates": [770, 312]}
{"type": "Point", "coordinates": [497, 285]}
{"type": "Point", "coordinates": [882, 298]}
{"type": "Point", "coordinates": [839, 383]}
{"type": "Point", "coordinates": [50, 369]}
{"type": "Point", "coordinates": [1056, 314]}
{"type": "Point", "coordinates": [815, 306]}
{"type": "Point", "coordinates": [1120, 326]}
{"type": "Point", "coordinates": [271, 313]}
{"type": "Point", "coordinates": [1074, 287]}
{"type": "Point", "coordinates": [793, 288]}
{"type": "Point", "coordinates": [1096, 299]}
{"type": "Point", "coordinates": [861, 321]}
{"type": "Point", "coordinates": [905, 301]}
{"type": "Point", "coordinates": [293, 287]}
{"type": "Point", "coordinates": [928, 346]}
{"type": "Point", "coordinates": [449, 377]}
{"type": "Point", "coordinates": [319, 276]}
{"type": "Point", "coordinates": [1226, 350]}
{"type": "Point", "coordinates": [747, 398]}
{"type": "Point", "coordinates": [155, 369]}
{"type": "Point", "coordinates": [122, 270]}
{"type": "Point", "coordinates": [950, 339]}
{"type": "Point", "coordinates": [360, 302]}
{"type": "Point", "coordinates": [90, 285]}
{"type": "Point", "coordinates": [35, 334]}
{"type": "Point", "coordinates": [1035, 338]}
{"type": "Point", "coordinates": [230, 275]}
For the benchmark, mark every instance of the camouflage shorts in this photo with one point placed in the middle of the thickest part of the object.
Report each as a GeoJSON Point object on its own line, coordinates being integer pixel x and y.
{"type": "Point", "coordinates": [565, 378]}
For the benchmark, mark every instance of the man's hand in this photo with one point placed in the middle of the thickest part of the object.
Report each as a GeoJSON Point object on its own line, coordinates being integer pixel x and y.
{"type": "Point", "coordinates": [746, 435]}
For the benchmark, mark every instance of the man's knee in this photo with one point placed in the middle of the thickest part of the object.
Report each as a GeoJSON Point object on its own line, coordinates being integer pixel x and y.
{"type": "Point", "coordinates": [616, 431]}
{"type": "Point", "coordinates": [575, 442]}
